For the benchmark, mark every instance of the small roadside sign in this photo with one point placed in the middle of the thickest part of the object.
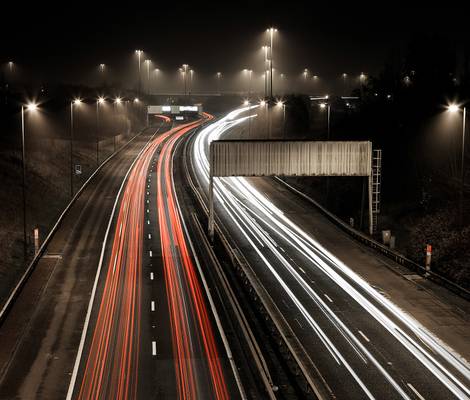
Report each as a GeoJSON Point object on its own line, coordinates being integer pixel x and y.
{"type": "Point", "coordinates": [78, 169]}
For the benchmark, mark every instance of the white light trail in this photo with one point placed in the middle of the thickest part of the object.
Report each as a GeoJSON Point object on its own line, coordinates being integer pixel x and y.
{"type": "Point", "coordinates": [250, 210]}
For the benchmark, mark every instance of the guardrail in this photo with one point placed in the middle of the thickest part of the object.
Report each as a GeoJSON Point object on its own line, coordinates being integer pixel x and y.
{"type": "Point", "coordinates": [31, 266]}
{"type": "Point", "coordinates": [374, 244]}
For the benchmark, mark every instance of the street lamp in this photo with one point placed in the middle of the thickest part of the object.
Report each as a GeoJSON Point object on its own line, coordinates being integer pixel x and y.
{"type": "Point", "coordinates": [147, 62]}
{"type": "Point", "coordinates": [156, 72]}
{"type": "Point", "coordinates": [453, 109]}
{"type": "Point", "coordinates": [219, 75]}
{"type": "Point", "coordinates": [100, 101]}
{"type": "Point", "coordinates": [345, 77]}
{"type": "Point", "coordinates": [30, 107]}
{"type": "Point", "coordinates": [271, 32]}
{"type": "Point", "coordinates": [76, 102]}
{"type": "Point", "coordinates": [327, 106]}
{"type": "Point", "coordinates": [139, 55]}
{"type": "Point", "coordinates": [191, 73]}
{"type": "Point", "coordinates": [266, 49]}
{"type": "Point", "coordinates": [102, 68]}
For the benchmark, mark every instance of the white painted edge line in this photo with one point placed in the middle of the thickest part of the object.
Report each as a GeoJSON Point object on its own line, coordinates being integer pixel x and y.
{"type": "Point", "coordinates": [52, 231]}
{"type": "Point", "coordinates": [95, 284]}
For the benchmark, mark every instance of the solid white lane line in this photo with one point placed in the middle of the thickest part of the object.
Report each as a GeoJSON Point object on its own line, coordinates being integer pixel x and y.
{"type": "Point", "coordinates": [78, 358]}
{"type": "Point", "coordinates": [152, 305]}
{"type": "Point", "coordinates": [331, 301]}
{"type": "Point", "coordinates": [415, 391]}
{"type": "Point", "coordinates": [364, 336]}
{"type": "Point", "coordinates": [154, 348]}
{"type": "Point", "coordinates": [151, 276]}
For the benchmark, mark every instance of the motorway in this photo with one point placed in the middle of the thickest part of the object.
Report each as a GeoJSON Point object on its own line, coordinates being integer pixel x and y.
{"type": "Point", "coordinates": [148, 333]}
{"type": "Point", "coordinates": [40, 335]}
{"type": "Point", "coordinates": [363, 344]}
{"type": "Point", "coordinates": [115, 308]}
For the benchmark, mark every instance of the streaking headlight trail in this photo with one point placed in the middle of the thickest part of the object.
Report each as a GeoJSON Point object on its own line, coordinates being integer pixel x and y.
{"type": "Point", "coordinates": [265, 227]}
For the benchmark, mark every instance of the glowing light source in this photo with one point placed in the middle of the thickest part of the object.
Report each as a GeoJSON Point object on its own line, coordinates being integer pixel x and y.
{"type": "Point", "coordinates": [262, 103]}
{"type": "Point", "coordinates": [31, 106]}
{"type": "Point", "coordinates": [136, 100]}
{"type": "Point", "coordinates": [77, 102]}
{"type": "Point", "coordinates": [246, 102]}
{"type": "Point", "coordinates": [322, 105]}
{"type": "Point", "coordinates": [118, 100]}
{"type": "Point", "coordinates": [453, 108]}
{"type": "Point", "coordinates": [279, 103]}
{"type": "Point", "coordinates": [101, 100]}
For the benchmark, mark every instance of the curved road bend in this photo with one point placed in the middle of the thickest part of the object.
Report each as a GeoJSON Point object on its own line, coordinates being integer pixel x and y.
{"type": "Point", "coordinates": [364, 345]}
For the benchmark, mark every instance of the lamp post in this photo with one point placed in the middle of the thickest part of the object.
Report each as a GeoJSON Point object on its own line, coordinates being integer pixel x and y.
{"type": "Point", "coordinates": [29, 107]}
{"type": "Point", "coordinates": [156, 72]}
{"type": "Point", "coordinates": [327, 106]}
{"type": "Point", "coordinates": [271, 32]}
{"type": "Point", "coordinates": [191, 73]}
{"type": "Point", "coordinates": [265, 48]}
{"type": "Point", "coordinates": [185, 73]}
{"type": "Point", "coordinates": [147, 62]}
{"type": "Point", "coordinates": [75, 102]}
{"type": "Point", "coordinates": [282, 104]}
{"type": "Point", "coordinates": [102, 68]}
{"type": "Point", "coordinates": [99, 102]}
{"type": "Point", "coordinates": [454, 108]}
{"type": "Point", "coordinates": [219, 75]}
{"type": "Point", "coordinates": [117, 102]}
{"type": "Point", "coordinates": [139, 55]}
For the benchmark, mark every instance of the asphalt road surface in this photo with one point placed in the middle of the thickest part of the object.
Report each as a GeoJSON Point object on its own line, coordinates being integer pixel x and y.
{"type": "Point", "coordinates": [150, 332]}
{"type": "Point", "coordinates": [362, 343]}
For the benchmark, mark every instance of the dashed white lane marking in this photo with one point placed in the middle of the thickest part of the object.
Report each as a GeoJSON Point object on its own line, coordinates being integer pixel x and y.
{"type": "Point", "coordinates": [148, 193]}
{"type": "Point", "coordinates": [120, 229]}
{"type": "Point", "coordinates": [151, 254]}
{"type": "Point", "coordinates": [148, 222]}
{"type": "Point", "coordinates": [415, 391]}
{"type": "Point", "coordinates": [364, 336]}
{"type": "Point", "coordinates": [148, 201]}
{"type": "Point", "coordinates": [150, 236]}
{"type": "Point", "coordinates": [151, 276]}
{"type": "Point", "coordinates": [296, 320]}
{"type": "Point", "coordinates": [148, 210]}
{"type": "Point", "coordinates": [302, 270]}
{"type": "Point", "coordinates": [154, 348]}
{"type": "Point", "coordinates": [152, 305]}
{"type": "Point", "coordinates": [331, 301]}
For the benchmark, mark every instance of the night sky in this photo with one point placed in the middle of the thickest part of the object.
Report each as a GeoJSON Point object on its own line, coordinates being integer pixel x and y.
{"type": "Point", "coordinates": [68, 41]}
